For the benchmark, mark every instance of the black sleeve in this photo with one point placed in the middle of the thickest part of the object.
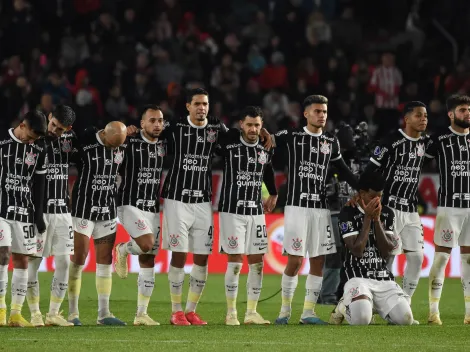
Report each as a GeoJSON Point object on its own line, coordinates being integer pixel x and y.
{"type": "Point", "coordinates": [38, 193]}
{"type": "Point", "coordinates": [269, 180]}
{"type": "Point", "coordinates": [346, 173]}
{"type": "Point", "coordinates": [371, 167]}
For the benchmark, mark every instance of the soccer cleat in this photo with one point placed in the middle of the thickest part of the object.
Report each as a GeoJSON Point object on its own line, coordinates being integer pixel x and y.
{"type": "Point", "coordinates": [195, 319]}
{"type": "Point", "coordinates": [232, 319]}
{"type": "Point", "coordinates": [282, 320]}
{"type": "Point", "coordinates": [36, 319]}
{"type": "Point", "coordinates": [144, 320]}
{"type": "Point", "coordinates": [120, 262]}
{"type": "Point", "coordinates": [17, 320]}
{"type": "Point", "coordinates": [312, 320]}
{"type": "Point", "coordinates": [178, 318]}
{"type": "Point", "coordinates": [73, 318]}
{"type": "Point", "coordinates": [415, 322]}
{"type": "Point", "coordinates": [57, 320]}
{"type": "Point", "coordinates": [337, 315]}
{"type": "Point", "coordinates": [110, 320]}
{"type": "Point", "coordinates": [434, 319]}
{"type": "Point", "coordinates": [255, 319]}
{"type": "Point", "coordinates": [466, 320]}
{"type": "Point", "coordinates": [3, 316]}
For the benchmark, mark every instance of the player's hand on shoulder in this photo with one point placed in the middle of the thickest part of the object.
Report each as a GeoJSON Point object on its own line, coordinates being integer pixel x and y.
{"type": "Point", "coordinates": [132, 130]}
{"type": "Point", "coordinates": [266, 138]}
{"type": "Point", "coordinates": [353, 201]}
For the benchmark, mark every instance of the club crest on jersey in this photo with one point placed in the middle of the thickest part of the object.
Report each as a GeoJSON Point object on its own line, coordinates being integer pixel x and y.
{"type": "Point", "coordinates": [160, 150]}
{"type": "Point", "coordinates": [66, 146]}
{"type": "Point", "coordinates": [354, 292]}
{"type": "Point", "coordinates": [262, 157]}
{"type": "Point", "coordinates": [83, 224]}
{"type": "Point", "coordinates": [39, 245]}
{"type": "Point", "coordinates": [118, 157]}
{"type": "Point", "coordinates": [211, 136]}
{"type": "Point", "coordinates": [141, 225]}
{"type": "Point", "coordinates": [296, 244]}
{"type": "Point", "coordinates": [30, 158]}
{"type": "Point", "coordinates": [325, 148]}
{"type": "Point", "coordinates": [447, 235]}
{"type": "Point", "coordinates": [395, 241]}
{"type": "Point", "coordinates": [232, 242]}
{"type": "Point", "coordinates": [420, 149]}
{"type": "Point", "coordinates": [174, 240]}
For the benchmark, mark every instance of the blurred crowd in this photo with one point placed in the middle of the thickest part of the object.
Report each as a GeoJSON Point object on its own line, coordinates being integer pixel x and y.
{"type": "Point", "coordinates": [108, 57]}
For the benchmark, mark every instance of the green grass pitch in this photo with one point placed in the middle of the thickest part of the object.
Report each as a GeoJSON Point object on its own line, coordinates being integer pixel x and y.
{"type": "Point", "coordinates": [452, 336]}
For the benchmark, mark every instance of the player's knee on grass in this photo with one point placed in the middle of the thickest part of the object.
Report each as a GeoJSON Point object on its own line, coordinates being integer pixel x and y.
{"type": "Point", "coordinates": [294, 263]}
{"type": "Point", "coordinates": [145, 242]}
{"type": "Point", "coordinates": [401, 314]}
{"type": "Point", "coordinates": [360, 311]}
{"type": "Point", "coordinates": [146, 260]}
{"type": "Point", "coordinates": [5, 253]}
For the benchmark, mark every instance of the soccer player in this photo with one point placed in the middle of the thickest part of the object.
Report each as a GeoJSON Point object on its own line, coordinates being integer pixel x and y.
{"type": "Point", "coordinates": [307, 219]}
{"type": "Point", "coordinates": [57, 241]}
{"type": "Point", "coordinates": [139, 206]}
{"type": "Point", "coordinates": [399, 157]}
{"type": "Point", "coordinates": [94, 214]}
{"type": "Point", "coordinates": [367, 231]}
{"type": "Point", "coordinates": [22, 176]}
{"type": "Point", "coordinates": [451, 147]}
{"type": "Point", "coordinates": [241, 218]}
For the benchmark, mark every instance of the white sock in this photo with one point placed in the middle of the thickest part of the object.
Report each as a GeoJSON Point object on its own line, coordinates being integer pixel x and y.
{"type": "Point", "coordinates": [32, 293]}
{"type": "Point", "coordinates": [232, 277]}
{"type": "Point", "coordinates": [197, 282]}
{"type": "Point", "coordinates": [3, 284]}
{"type": "Point", "coordinates": [288, 285]}
{"type": "Point", "coordinates": [145, 284]}
{"type": "Point", "coordinates": [312, 288]}
{"type": "Point", "coordinates": [465, 258]}
{"type": "Point", "coordinates": [359, 312]}
{"type": "Point", "coordinates": [176, 281]}
{"type": "Point", "coordinates": [436, 280]}
{"type": "Point", "coordinates": [414, 261]}
{"type": "Point", "coordinates": [60, 283]}
{"type": "Point", "coordinates": [131, 247]}
{"type": "Point", "coordinates": [75, 284]}
{"type": "Point", "coordinates": [19, 285]}
{"type": "Point", "coordinates": [103, 287]}
{"type": "Point", "coordinates": [253, 286]}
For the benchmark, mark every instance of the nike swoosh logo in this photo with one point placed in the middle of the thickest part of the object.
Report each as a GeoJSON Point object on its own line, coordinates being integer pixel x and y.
{"type": "Point", "coordinates": [450, 145]}
{"type": "Point", "coordinates": [261, 248]}
{"type": "Point", "coordinates": [237, 156]}
{"type": "Point", "coordinates": [148, 286]}
{"type": "Point", "coordinates": [112, 228]}
{"type": "Point", "coordinates": [300, 143]}
{"type": "Point", "coordinates": [94, 159]}
{"type": "Point", "coordinates": [6, 156]}
{"type": "Point", "coordinates": [188, 134]}
{"type": "Point", "coordinates": [402, 154]}
{"type": "Point", "coordinates": [328, 248]}
{"type": "Point", "coordinates": [139, 150]}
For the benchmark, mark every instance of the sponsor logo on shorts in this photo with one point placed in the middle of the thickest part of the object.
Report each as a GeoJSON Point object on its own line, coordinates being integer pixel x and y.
{"type": "Point", "coordinates": [141, 225]}
{"type": "Point", "coordinates": [395, 241]}
{"type": "Point", "coordinates": [83, 224]}
{"type": "Point", "coordinates": [174, 240]}
{"type": "Point", "coordinates": [39, 245]}
{"type": "Point", "coordinates": [447, 235]}
{"type": "Point", "coordinates": [296, 244]}
{"type": "Point", "coordinates": [232, 242]}
{"type": "Point", "coordinates": [354, 292]}
{"type": "Point", "coordinates": [1, 235]}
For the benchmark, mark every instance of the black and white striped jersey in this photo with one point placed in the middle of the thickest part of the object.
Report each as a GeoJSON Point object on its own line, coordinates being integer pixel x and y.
{"type": "Point", "coordinates": [141, 173]}
{"type": "Point", "coordinates": [453, 159]}
{"type": "Point", "coordinates": [372, 265]}
{"type": "Point", "coordinates": [309, 155]}
{"type": "Point", "coordinates": [18, 164]}
{"type": "Point", "coordinates": [400, 159]}
{"type": "Point", "coordinates": [189, 178]}
{"type": "Point", "coordinates": [60, 154]}
{"type": "Point", "coordinates": [94, 191]}
{"type": "Point", "coordinates": [244, 166]}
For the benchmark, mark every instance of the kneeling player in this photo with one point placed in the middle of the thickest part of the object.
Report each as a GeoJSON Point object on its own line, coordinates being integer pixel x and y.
{"type": "Point", "coordinates": [367, 231]}
{"type": "Point", "coordinates": [242, 222]}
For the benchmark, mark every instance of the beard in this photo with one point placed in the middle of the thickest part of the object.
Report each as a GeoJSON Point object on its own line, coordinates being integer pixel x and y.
{"type": "Point", "coordinates": [462, 123]}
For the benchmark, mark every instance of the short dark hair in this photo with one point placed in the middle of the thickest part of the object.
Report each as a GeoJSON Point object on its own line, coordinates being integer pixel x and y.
{"type": "Point", "coordinates": [372, 181]}
{"type": "Point", "coordinates": [455, 100]}
{"type": "Point", "coordinates": [314, 99]}
{"type": "Point", "coordinates": [251, 111]}
{"type": "Point", "coordinates": [64, 114]}
{"type": "Point", "coordinates": [36, 120]}
{"type": "Point", "coordinates": [195, 91]}
{"type": "Point", "coordinates": [144, 108]}
{"type": "Point", "coordinates": [410, 106]}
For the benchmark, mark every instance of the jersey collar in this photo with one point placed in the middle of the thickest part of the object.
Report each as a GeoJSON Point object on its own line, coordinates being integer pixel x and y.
{"type": "Point", "coordinates": [248, 144]}
{"type": "Point", "coordinates": [12, 135]}
{"type": "Point", "coordinates": [408, 137]}
{"type": "Point", "coordinates": [193, 125]}
{"type": "Point", "coordinates": [98, 138]}
{"type": "Point", "coordinates": [147, 140]}
{"type": "Point", "coordinates": [312, 134]}
{"type": "Point", "coordinates": [457, 133]}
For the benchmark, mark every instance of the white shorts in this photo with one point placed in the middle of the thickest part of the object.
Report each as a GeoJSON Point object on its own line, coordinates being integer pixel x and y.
{"type": "Point", "coordinates": [94, 229]}
{"type": "Point", "coordinates": [242, 234]}
{"type": "Point", "coordinates": [408, 232]}
{"type": "Point", "coordinates": [452, 227]}
{"type": "Point", "coordinates": [138, 223]}
{"type": "Point", "coordinates": [385, 295]}
{"type": "Point", "coordinates": [308, 230]}
{"type": "Point", "coordinates": [187, 227]}
{"type": "Point", "coordinates": [20, 236]}
{"type": "Point", "coordinates": [58, 238]}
